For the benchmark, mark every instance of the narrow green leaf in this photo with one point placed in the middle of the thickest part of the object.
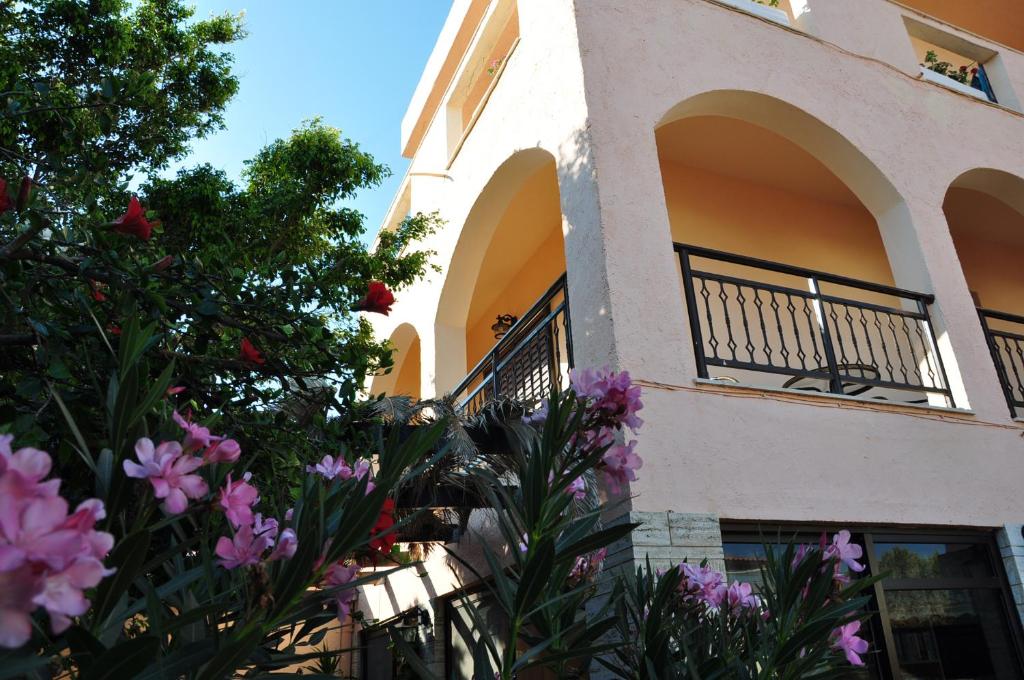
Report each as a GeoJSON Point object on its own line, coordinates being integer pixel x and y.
{"type": "Point", "coordinates": [125, 660]}
{"type": "Point", "coordinates": [127, 557]}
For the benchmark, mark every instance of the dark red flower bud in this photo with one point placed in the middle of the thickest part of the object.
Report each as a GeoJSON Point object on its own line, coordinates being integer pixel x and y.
{"type": "Point", "coordinates": [378, 299]}
{"type": "Point", "coordinates": [133, 222]}
{"type": "Point", "coordinates": [250, 354]}
{"type": "Point", "coordinates": [24, 192]}
{"type": "Point", "coordinates": [163, 263]}
{"type": "Point", "coordinates": [5, 201]}
{"type": "Point", "coordinates": [95, 291]}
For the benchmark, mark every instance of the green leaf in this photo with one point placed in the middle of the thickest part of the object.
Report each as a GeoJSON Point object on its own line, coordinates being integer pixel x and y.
{"type": "Point", "coordinates": [21, 667]}
{"type": "Point", "coordinates": [127, 557]}
{"type": "Point", "coordinates": [233, 656]}
{"type": "Point", "coordinates": [125, 660]}
{"type": "Point", "coordinates": [180, 662]}
{"type": "Point", "coordinates": [155, 394]}
{"type": "Point", "coordinates": [84, 647]}
{"type": "Point", "coordinates": [535, 574]}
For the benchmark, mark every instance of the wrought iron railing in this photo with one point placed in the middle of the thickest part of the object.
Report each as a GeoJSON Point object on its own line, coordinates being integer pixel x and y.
{"type": "Point", "coordinates": [1005, 333]}
{"type": "Point", "coordinates": [533, 357]}
{"type": "Point", "coordinates": [756, 317]}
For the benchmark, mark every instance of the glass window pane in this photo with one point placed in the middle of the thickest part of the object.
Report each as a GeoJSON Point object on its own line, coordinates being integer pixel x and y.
{"type": "Point", "coordinates": [934, 560]}
{"type": "Point", "coordinates": [951, 634]}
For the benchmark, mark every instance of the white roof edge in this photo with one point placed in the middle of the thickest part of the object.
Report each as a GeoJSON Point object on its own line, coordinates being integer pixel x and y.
{"type": "Point", "coordinates": [430, 72]}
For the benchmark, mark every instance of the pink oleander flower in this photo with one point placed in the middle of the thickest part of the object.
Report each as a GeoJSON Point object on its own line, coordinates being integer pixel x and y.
{"type": "Point", "coordinates": [47, 557]}
{"type": "Point", "coordinates": [595, 439]}
{"type": "Point", "coordinates": [703, 584]}
{"type": "Point", "coordinates": [223, 451]}
{"type": "Point", "coordinates": [17, 590]}
{"type": "Point", "coordinates": [846, 552]}
{"type": "Point", "coordinates": [338, 575]}
{"type": "Point", "coordinates": [169, 472]}
{"type": "Point", "coordinates": [845, 638]}
{"type": "Point", "coordinates": [245, 548]}
{"type": "Point", "coordinates": [611, 396]}
{"type": "Point", "coordinates": [739, 596]}
{"type": "Point", "coordinates": [251, 541]}
{"type": "Point", "coordinates": [329, 468]}
{"type": "Point", "coordinates": [577, 488]}
{"type": "Point", "coordinates": [196, 436]}
{"type": "Point", "coordinates": [620, 466]}
{"type": "Point", "coordinates": [237, 499]}
{"type": "Point", "coordinates": [287, 544]}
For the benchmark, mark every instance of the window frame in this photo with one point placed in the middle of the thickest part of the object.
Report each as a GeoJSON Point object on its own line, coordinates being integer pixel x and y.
{"type": "Point", "coordinates": [868, 536]}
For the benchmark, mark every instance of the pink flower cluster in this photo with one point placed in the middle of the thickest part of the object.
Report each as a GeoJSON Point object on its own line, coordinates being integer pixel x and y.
{"type": "Point", "coordinates": [169, 466]}
{"type": "Point", "coordinates": [611, 396]}
{"type": "Point", "coordinates": [47, 557]}
{"type": "Point", "coordinates": [331, 468]}
{"type": "Point", "coordinates": [253, 536]}
{"type": "Point", "coordinates": [707, 586]}
{"type": "Point", "coordinates": [251, 542]}
{"type": "Point", "coordinates": [340, 574]}
{"type": "Point", "coordinates": [612, 402]}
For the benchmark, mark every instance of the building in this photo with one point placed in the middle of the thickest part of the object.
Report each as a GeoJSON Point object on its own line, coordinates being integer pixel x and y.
{"type": "Point", "coordinates": [797, 229]}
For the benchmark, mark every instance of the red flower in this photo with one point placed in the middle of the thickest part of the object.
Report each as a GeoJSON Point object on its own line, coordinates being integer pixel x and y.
{"type": "Point", "coordinates": [378, 299]}
{"type": "Point", "coordinates": [95, 293]}
{"type": "Point", "coordinates": [5, 201]}
{"type": "Point", "coordinates": [171, 391]}
{"type": "Point", "coordinates": [384, 522]}
{"type": "Point", "coordinates": [163, 263]}
{"type": "Point", "coordinates": [114, 329]}
{"type": "Point", "coordinates": [24, 192]}
{"type": "Point", "coordinates": [251, 354]}
{"type": "Point", "coordinates": [133, 222]}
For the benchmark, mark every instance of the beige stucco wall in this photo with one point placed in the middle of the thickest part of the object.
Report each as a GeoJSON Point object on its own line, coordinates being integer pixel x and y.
{"type": "Point", "coordinates": [587, 89]}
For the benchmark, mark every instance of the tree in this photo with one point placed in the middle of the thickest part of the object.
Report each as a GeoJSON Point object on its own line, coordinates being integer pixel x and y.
{"type": "Point", "coordinates": [277, 263]}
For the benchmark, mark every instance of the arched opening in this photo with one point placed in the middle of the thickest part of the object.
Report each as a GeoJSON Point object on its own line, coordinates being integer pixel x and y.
{"type": "Point", "coordinates": [985, 212]}
{"type": "Point", "coordinates": [404, 378]}
{"type": "Point", "coordinates": [504, 295]}
{"type": "Point", "coordinates": [789, 239]}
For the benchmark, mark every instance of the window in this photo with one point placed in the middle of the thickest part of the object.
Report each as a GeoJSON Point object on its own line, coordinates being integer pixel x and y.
{"type": "Point", "coordinates": [943, 610]}
{"type": "Point", "coordinates": [956, 63]}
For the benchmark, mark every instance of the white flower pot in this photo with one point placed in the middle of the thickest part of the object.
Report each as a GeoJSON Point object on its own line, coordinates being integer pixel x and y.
{"type": "Point", "coordinates": [757, 9]}
{"type": "Point", "coordinates": [945, 81]}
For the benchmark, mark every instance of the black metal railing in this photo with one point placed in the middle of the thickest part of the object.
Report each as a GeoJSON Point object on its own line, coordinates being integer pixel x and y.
{"type": "Point", "coordinates": [533, 357]}
{"type": "Point", "coordinates": [751, 315]}
{"type": "Point", "coordinates": [1005, 333]}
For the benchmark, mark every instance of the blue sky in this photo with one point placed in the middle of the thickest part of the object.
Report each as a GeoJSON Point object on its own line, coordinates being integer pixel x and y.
{"type": "Point", "coordinates": [353, 62]}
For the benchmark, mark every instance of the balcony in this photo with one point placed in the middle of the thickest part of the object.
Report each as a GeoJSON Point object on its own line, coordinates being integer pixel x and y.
{"type": "Point", "coordinates": [1005, 334]}
{"type": "Point", "coordinates": [765, 324]}
{"type": "Point", "coordinates": [530, 359]}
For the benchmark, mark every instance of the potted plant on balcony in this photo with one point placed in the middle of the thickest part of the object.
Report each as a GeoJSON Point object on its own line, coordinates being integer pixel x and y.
{"type": "Point", "coordinates": [943, 73]}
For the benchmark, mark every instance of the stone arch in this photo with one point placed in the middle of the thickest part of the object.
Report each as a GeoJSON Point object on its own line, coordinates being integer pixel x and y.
{"type": "Point", "coordinates": [756, 176]}
{"type": "Point", "coordinates": [509, 252]}
{"type": "Point", "coordinates": [404, 379]}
